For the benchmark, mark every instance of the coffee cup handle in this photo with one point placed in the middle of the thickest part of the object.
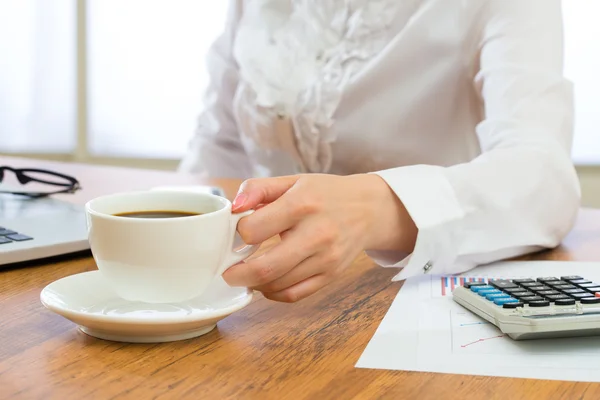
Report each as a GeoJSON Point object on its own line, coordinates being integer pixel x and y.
{"type": "Point", "coordinates": [234, 257]}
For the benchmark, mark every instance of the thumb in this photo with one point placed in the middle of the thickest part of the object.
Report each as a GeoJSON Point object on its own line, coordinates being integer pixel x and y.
{"type": "Point", "coordinates": [254, 192]}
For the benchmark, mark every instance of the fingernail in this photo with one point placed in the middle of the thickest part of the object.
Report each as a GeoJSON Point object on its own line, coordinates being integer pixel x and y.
{"type": "Point", "coordinates": [239, 200]}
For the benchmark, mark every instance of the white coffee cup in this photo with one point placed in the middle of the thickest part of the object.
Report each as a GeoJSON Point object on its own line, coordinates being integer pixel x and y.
{"type": "Point", "coordinates": [163, 260]}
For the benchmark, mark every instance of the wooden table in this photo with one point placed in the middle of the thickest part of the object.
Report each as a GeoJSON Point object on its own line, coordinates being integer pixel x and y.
{"type": "Point", "coordinates": [268, 350]}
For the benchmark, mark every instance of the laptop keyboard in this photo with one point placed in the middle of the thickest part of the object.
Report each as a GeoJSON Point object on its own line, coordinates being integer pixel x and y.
{"type": "Point", "coordinates": [9, 236]}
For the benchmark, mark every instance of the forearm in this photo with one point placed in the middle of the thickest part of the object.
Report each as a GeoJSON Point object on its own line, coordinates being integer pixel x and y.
{"type": "Point", "coordinates": [507, 202]}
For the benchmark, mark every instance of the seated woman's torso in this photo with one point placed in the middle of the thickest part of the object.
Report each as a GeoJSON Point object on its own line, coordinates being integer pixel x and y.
{"type": "Point", "coordinates": [371, 86]}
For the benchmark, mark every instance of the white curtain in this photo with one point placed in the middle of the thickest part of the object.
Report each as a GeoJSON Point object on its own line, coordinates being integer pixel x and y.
{"type": "Point", "coordinates": [37, 76]}
{"type": "Point", "coordinates": [582, 66]}
{"type": "Point", "coordinates": [146, 74]}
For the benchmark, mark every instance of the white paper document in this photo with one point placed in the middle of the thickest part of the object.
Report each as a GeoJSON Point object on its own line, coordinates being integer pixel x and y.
{"type": "Point", "coordinates": [425, 330]}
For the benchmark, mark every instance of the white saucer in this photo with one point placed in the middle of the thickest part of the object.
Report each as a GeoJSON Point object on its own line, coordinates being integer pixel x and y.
{"type": "Point", "coordinates": [87, 300]}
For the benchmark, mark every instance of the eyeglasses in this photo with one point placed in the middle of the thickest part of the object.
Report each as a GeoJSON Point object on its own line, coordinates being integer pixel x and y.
{"type": "Point", "coordinates": [66, 184]}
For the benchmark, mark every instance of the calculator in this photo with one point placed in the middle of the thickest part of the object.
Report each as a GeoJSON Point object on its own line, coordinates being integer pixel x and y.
{"type": "Point", "coordinates": [535, 308]}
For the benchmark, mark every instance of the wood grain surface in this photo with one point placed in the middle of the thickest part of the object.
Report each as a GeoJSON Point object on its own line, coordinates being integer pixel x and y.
{"type": "Point", "coordinates": [267, 350]}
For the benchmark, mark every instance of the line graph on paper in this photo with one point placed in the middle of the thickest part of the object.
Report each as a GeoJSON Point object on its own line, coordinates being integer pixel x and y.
{"type": "Point", "coordinates": [473, 335]}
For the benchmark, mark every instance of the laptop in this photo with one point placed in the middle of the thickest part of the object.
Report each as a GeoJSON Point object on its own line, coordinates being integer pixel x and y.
{"type": "Point", "coordinates": [32, 229]}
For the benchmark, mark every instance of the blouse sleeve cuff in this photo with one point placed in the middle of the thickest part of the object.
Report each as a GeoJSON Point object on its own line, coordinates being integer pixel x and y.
{"type": "Point", "coordinates": [429, 199]}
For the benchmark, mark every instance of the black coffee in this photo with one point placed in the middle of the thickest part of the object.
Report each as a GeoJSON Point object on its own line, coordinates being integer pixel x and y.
{"type": "Point", "coordinates": [156, 214]}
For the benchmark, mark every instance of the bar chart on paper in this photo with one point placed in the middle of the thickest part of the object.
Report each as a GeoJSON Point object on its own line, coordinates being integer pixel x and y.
{"type": "Point", "coordinates": [448, 283]}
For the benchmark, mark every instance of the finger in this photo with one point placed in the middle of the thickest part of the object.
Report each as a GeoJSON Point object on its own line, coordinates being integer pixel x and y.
{"type": "Point", "coordinates": [308, 268]}
{"type": "Point", "coordinates": [300, 290]}
{"type": "Point", "coordinates": [267, 221]}
{"type": "Point", "coordinates": [292, 208]}
{"type": "Point", "coordinates": [272, 265]}
{"type": "Point", "coordinates": [256, 191]}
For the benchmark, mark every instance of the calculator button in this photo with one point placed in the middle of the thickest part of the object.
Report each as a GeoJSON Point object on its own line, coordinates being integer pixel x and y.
{"type": "Point", "coordinates": [503, 284]}
{"type": "Point", "coordinates": [564, 302]}
{"type": "Point", "coordinates": [488, 291]}
{"type": "Point", "coordinates": [4, 240]}
{"type": "Point", "coordinates": [6, 232]}
{"type": "Point", "coordinates": [539, 288]}
{"type": "Point", "coordinates": [502, 301]}
{"type": "Point", "coordinates": [547, 279]}
{"type": "Point", "coordinates": [493, 296]}
{"type": "Point", "coordinates": [590, 300]}
{"type": "Point", "coordinates": [531, 298]}
{"type": "Point", "coordinates": [542, 303]}
{"type": "Point", "coordinates": [580, 282]}
{"type": "Point", "coordinates": [587, 285]}
{"type": "Point", "coordinates": [515, 290]}
{"type": "Point", "coordinates": [547, 293]}
{"type": "Point", "coordinates": [581, 295]}
{"type": "Point", "coordinates": [554, 297]}
{"type": "Point", "coordinates": [571, 291]}
{"type": "Point", "coordinates": [593, 289]}
{"type": "Point", "coordinates": [564, 287]}
{"type": "Point", "coordinates": [529, 284]}
{"type": "Point", "coordinates": [477, 289]}
{"type": "Point", "coordinates": [556, 283]}
{"type": "Point", "coordinates": [570, 278]}
{"type": "Point", "coordinates": [520, 295]}
{"type": "Point", "coordinates": [520, 281]}
{"type": "Point", "coordinates": [469, 285]}
{"type": "Point", "coordinates": [513, 304]}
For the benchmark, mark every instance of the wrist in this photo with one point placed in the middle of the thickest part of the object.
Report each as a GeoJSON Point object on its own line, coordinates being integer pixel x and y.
{"type": "Point", "coordinates": [392, 227]}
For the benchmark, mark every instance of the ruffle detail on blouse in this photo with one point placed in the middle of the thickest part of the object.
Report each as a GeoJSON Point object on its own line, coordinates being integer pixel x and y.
{"type": "Point", "coordinates": [297, 56]}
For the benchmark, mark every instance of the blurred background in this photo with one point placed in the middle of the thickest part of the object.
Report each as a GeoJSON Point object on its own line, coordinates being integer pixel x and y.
{"type": "Point", "coordinates": [120, 82]}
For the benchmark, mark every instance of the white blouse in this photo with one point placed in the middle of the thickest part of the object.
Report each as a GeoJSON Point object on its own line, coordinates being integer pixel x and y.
{"type": "Point", "coordinates": [460, 105]}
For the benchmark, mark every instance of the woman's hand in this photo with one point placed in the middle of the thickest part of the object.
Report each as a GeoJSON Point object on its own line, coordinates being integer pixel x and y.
{"type": "Point", "coordinates": [324, 222]}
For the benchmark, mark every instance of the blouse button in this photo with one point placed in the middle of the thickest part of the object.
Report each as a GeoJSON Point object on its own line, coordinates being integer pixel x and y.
{"type": "Point", "coordinates": [427, 266]}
